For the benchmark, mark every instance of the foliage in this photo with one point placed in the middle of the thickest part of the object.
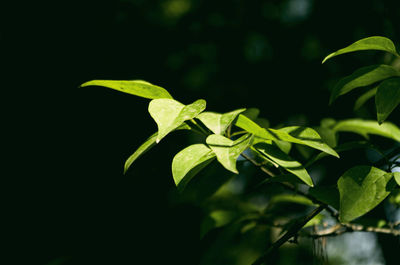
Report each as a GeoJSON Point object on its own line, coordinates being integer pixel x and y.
{"type": "Point", "coordinates": [285, 154]}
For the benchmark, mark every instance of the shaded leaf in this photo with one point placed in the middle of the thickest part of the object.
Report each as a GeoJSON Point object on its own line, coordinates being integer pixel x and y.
{"type": "Point", "coordinates": [134, 87]}
{"type": "Point", "coordinates": [366, 127]}
{"type": "Point", "coordinates": [285, 161]}
{"type": "Point", "coordinates": [227, 151]}
{"type": "Point", "coordinates": [361, 189]}
{"type": "Point", "coordinates": [364, 76]}
{"type": "Point", "coordinates": [218, 123]}
{"type": "Point", "coordinates": [326, 194]}
{"type": "Point", "coordinates": [148, 144]}
{"type": "Point", "coordinates": [387, 98]}
{"type": "Point", "coordinates": [291, 198]}
{"type": "Point", "coordinates": [188, 162]}
{"type": "Point", "coordinates": [251, 113]}
{"type": "Point", "coordinates": [215, 219]}
{"type": "Point", "coordinates": [370, 43]}
{"type": "Point", "coordinates": [169, 114]}
{"type": "Point", "coordinates": [364, 98]}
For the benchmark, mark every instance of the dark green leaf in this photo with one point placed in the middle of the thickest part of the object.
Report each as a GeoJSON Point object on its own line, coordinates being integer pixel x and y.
{"type": "Point", "coordinates": [285, 161]}
{"type": "Point", "coordinates": [364, 98]}
{"type": "Point", "coordinates": [363, 77]}
{"type": "Point", "coordinates": [218, 123]}
{"type": "Point", "coordinates": [227, 151]}
{"type": "Point", "coordinates": [387, 98]}
{"type": "Point", "coordinates": [327, 194]}
{"type": "Point", "coordinates": [188, 162]}
{"type": "Point", "coordinates": [134, 87]}
{"type": "Point", "coordinates": [169, 114]}
{"type": "Point", "coordinates": [361, 189]}
{"type": "Point", "coordinates": [371, 43]}
{"type": "Point", "coordinates": [251, 113]}
{"type": "Point", "coordinates": [365, 127]}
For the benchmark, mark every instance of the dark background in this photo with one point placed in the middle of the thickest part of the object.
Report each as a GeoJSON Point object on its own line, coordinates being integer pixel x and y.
{"type": "Point", "coordinates": [67, 196]}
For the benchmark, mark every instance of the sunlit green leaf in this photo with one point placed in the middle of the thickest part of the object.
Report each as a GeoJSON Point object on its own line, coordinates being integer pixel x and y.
{"type": "Point", "coordinates": [366, 127]}
{"type": "Point", "coordinates": [361, 189]}
{"type": "Point", "coordinates": [134, 87]}
{"type": "Point", "coordinates": [148, 144]}
{"type": "Point", "coordinates": [364, 98]}
{"type": "Point", "coordinates": [293, 134]}
{"type": "Point", "coordinates": [306, 136]}
{"type": "Point", "coordinates": [218, 123]}
{"type": "Point", "coordinates": [169, 114]}
{"type": "Point", "coordinates": [285, 161]}
{"type": "Point", "coordinates": [363, 77]}
{"type": "Point", "coordinates": [387, 98]}
{"type": "Point", "coordinates": [370, 43]}
{"type": "Point", "coordinates": [188, 162]}
{"type": "Point", "coordinates": [397, 177]}
{"type": "Point", "coordinates": [227, 151]}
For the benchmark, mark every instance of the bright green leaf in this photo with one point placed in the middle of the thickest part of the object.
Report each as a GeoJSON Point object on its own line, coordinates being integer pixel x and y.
{"type": "Point", "coordinates": [188, 162]}
{"type": "Point", "coordinates": [306, 136]}
{"type": "Point", "coordinates": [169, 114]}
{"type": "Point", "coordinates": [134, 87]}
{"type": "Point", "coordinates": [387, 98]}
{"type": "Point", "coordinates": [285, 161]}
{"type": "Point", "coordinates": [361, 189]}
{"type": "Point", "coordinates": [149, 143]}
{"type": "Point", "coordinates": [364, 76]}
{"type": "Point", "coordinates": [364, 98]}
{"type": "Point", "coordinates": [227, 151]}
{"type": "Point", "coordinates": [366, 127]}
{"type": "Point", "coordinates": [293, 134]}
{"type": "Point", "coordinates": [218, 123]}
{"type": "Point", "coordinates": [397, 177]}
{"type": "Point", "coordinates": [370, 43]}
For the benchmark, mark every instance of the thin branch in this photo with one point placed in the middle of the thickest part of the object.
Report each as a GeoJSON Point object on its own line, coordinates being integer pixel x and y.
{"type": "Point", "coordinates": [262, 168]}
{"type": "Point", "coordinates": [340, 229]}
{"type": "Point", "coordinates": [288, 235]}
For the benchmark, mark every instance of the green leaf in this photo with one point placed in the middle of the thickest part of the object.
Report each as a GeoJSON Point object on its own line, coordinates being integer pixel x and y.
{"type": "Point", "coordinates": [149, 143]}
{"type": "Point", "coordinates": [217, 218]}
{"type": "Point", "coordinates": [285, 161]}
{"type": "Point", "coordinates": [306, 136]}
{"type": "Point", "coordinates": [188, 162]}
{"type": "Point", "coordinates": [218, 123]}
{"type": "Point", "coordinates": [227, 151]}
{"type": "Point", "coordinates": [293, 134]}
{"type": "Point", "coordinates": [366, 127]}
{"type": "Point", "coordinates": [291, 198]}
{"type": "Point", "coordinates": [364, 98]}
{"type": "Point", "coordinates": [169, 114]}
{"type": "Point", "coordinates": [326, 194]}
{"type": "Point", "coordinates": [364, 76]}
{"type": "Point", "coordinates": [361, 189]}
{"type": "Point", "coordinates": [387, 98]}
{"type": "Point", "coordinates": [251, 113]}
{"type": "Point", "coordinates": [396, 176]}
{"type": "Point", "coordinates": [370, 43]}
{"type": "Point", "coordinates": [134, 87]}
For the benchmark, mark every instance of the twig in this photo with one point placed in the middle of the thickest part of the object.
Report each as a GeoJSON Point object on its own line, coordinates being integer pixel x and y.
{"type": "Point", "coordinates": [288, 235]}
{"type": "Point", "coordinates": [340, 229]}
